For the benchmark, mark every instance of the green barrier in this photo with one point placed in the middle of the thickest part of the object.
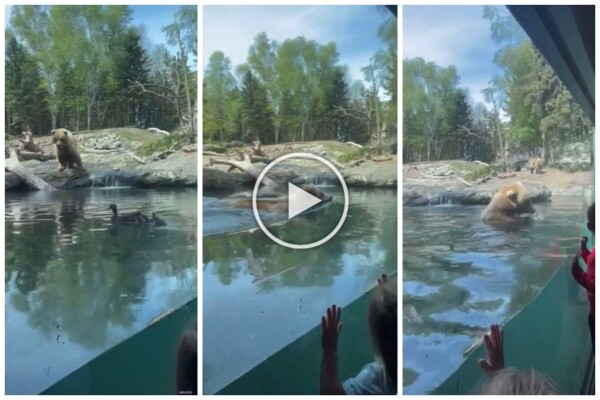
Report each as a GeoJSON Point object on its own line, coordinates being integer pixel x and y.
{"type": "Point", "coordinates": [295, 369]}
{"type": "Point", "coordinates": [550, 334]}
{"type": "Point", "coordinates": [144, 364]}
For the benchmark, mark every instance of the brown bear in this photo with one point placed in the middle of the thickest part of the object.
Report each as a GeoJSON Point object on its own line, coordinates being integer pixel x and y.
{"type": "Point", "coordinates": [536, 164]}
{"type": "Point", "coordinates": [510, 204]}
{"type": "Point", "coordinates": [278, 204]}
{"type": "Point", "coordinates": [66, 150]}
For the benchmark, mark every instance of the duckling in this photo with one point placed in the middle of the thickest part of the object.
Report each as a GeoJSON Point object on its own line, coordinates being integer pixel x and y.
{"type": "Point", "coordinates": [157, 221]}
{"type": "Point", "coordinates": [134, 217]}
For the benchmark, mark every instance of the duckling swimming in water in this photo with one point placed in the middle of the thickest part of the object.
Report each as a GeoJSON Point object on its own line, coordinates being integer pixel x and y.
{"type": "Point", "coordinates": [157, 221]}
{"type": "Point", "coordinates": [132, 217]}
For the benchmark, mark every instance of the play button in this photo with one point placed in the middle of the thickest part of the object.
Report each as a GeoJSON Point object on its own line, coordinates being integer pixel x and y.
{"type": "Point", "coordinates": [299, 201]}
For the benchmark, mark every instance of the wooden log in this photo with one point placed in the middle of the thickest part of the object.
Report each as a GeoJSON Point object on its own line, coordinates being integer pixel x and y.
{"type": "Point", "coordinates": [156, 130]}
{"type": "Point", "coordinates": [355, 144]}
{"type": "Point", "coordinates": [136, 158]}
{"type": "Point", "coordinates": [246, 166]}
{"type": "Point", "coordinates": [382, 158]}
{"type": "Point", "coordinates": [26, 155]}
{"type": "Point", "coordinates": [13, 165]}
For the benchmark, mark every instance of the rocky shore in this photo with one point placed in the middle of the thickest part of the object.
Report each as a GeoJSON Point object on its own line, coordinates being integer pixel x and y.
{"type": "Point", "coordinates": [110, 161]}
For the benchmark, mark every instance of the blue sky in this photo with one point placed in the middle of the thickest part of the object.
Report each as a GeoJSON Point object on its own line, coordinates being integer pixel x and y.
{"type": "Point", "coordinates": [231, 29]}
{"type": "Point", "coordinates": [452, 35]}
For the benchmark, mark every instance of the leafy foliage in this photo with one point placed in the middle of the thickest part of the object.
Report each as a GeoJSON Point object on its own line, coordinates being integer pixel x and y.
{"type": "Point", "coordinates": [84, 67]}
{"type": "Point", "coordinates": [298, 90]}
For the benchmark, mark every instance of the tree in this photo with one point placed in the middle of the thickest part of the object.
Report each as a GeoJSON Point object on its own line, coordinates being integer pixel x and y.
{"type": "Point", "coordinates": [24, 91]}
{"type": "Point", "coordinates": [219, 82]}
{"type": "Point", "coordinates": [257, 115]}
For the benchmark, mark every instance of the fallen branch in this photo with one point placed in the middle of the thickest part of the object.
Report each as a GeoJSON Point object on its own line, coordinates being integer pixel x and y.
{"type": "Point", "coordinates": [244, 165]}
{"type": "Point", "coordinates": [96, 151]}
{"type": "Point", "coordinates": [481, 163]}
{"type": "Point", "coordinates": [435, 177]}
{"type": "Point", "coordinates": [355, 144]}
{"type": "Point", "coordinates": [136, 158]}
{"type": "Point", "coordinates": [26, 155]}
{"type": "Point", "coordinates": [507, 175]}
{"type": "Point", "coordinates": [463, 181]}
{"type": "Point", "coordinates": [213, 153]}
{"type": "Point", "coordinates": [13, 165]}
{"type": "Point", "coordinates": [382, 158]}
{"type": "Point", "coordinates": [156, 130]}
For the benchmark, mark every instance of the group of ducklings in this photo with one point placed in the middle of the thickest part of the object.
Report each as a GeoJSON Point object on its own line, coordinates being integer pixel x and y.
{"type": "Point", "coordinates": [135, 217]}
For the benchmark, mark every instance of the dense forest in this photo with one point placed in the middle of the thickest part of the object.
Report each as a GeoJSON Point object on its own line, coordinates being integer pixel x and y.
{"type": "Point", "coordinates": [299, 90]}
{"type": "Point", "coordinates": [87, 67]}
{"type": "Point", "coordinates": [528, 110]}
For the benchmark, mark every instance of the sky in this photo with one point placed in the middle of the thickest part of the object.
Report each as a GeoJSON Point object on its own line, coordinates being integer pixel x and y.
{"type": "Point", "coordinates": [231, 29]}
{"type": "Point", "coordinates": [455, 35]}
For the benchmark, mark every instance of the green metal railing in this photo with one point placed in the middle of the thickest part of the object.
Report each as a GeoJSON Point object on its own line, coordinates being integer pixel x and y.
{"type": "Point", "coordinates": [144, 364]}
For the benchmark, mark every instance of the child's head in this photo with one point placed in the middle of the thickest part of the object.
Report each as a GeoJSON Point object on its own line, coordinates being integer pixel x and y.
{"type": "Point", "coordinates": [383, 326]}
{"type": "Point", "coordinates": [187, 363]}
{"type": "Point", "coordinates": [510, 381]}
{"type": "Point", "coordinates": [591, 218]}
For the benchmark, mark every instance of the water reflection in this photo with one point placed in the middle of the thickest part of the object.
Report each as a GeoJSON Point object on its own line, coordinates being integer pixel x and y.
{"type": "Point", "coordinates": [464, 275]}
{"type": "Point", "coordinates": [73, 290]}
{"type": "Point", "coordinates": [259, 296]}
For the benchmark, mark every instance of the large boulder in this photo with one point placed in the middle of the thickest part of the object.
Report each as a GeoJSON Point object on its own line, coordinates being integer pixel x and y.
{"type": "Point", "coordinates": [480, 195]}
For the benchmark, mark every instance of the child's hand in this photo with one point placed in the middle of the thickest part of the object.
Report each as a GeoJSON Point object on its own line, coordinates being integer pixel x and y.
{"type": "Point", "coordinates": [583, 243]}
{"type": "Point", "coordinates": [493, 348]}
{"type": "Point", "coordinates": [575, 268]}
{"type": "Point", "coordinates": [331, 328]}
{"type": "Point", "coordinates": [382, 280]}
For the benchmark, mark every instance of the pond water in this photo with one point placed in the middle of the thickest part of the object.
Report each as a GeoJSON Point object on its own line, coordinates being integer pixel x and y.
{"type": "Point", "coordinates": [461, 275]}
{"type": "Point", "coordinates": [75, 286]}
{"type": "Point", "coordinates": [251, 313]}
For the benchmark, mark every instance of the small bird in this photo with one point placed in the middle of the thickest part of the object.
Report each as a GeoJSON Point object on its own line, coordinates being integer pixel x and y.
{"type": "Point", "coordinates": [133, 217]}
{"type": "Point", "coordinates": [158, 221]}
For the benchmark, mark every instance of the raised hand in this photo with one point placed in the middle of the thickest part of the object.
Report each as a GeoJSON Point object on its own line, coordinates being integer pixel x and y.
{"type": "Point", "coordinates": [331, 328]}
{"type": "Point", "coordinates": [494, 351]}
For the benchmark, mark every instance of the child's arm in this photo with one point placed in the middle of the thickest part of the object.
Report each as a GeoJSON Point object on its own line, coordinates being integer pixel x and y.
{"type": "Point", "coordinates": [330, 330]}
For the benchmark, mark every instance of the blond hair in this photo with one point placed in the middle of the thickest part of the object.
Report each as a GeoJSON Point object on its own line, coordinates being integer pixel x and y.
{"type": "Point", "coordinates": [511, 381]}
{"type": "Point", "coordinates": [383, 326]}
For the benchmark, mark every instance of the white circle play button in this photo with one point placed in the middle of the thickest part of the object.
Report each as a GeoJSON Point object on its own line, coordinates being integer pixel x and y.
{"type": "Point", "coordinates": [299, 201]}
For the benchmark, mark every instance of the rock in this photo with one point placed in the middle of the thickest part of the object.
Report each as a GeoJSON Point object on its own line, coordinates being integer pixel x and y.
{"type": "Point", "coordinates": [216, 179]}
{"type": "Point", "coordinates": [11, 181]}
{"type": "Point", "coordinates": [480, 195]}
{"type": "Point", "coordinates": [177, 170]}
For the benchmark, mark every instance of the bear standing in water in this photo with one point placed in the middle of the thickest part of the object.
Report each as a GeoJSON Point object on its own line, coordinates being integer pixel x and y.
{"type": "Point", "coordinates": [510, 204]}
{"type": "Point", "coordinates": [66, 150]}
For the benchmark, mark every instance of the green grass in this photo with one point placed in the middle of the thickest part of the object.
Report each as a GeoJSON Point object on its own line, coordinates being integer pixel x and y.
{"type": "Point", "coordinates": [478, 173]}
{"type": "Point", "coordinates": [352, 155]}
{"type": "Point", "coordinates": [140, 137]}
